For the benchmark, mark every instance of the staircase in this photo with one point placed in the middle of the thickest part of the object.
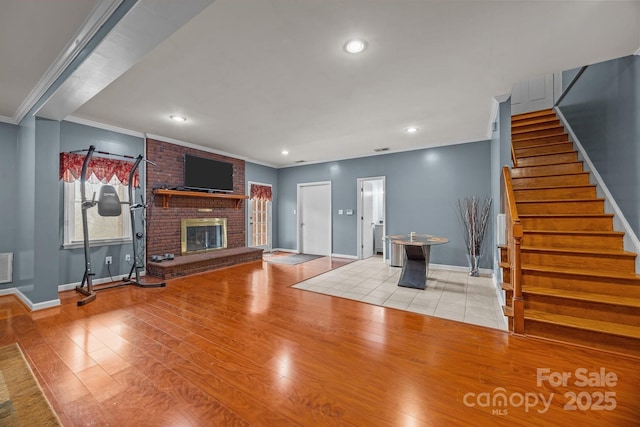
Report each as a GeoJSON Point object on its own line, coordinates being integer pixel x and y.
{"type": "Point", "coordinates": [566, 274]}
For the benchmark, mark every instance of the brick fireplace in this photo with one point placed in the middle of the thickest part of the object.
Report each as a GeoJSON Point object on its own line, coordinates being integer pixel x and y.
{"type": "Point", "coordinates": [164, 225]}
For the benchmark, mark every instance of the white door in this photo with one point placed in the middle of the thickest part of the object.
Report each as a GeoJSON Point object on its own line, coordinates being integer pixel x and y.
{"type": "Point", "coordinates": [367, 224]}
{"type": "Point", "coordinates": [371, 214]}
{"type": "Point", "coordinates": [533, 94]}
{"type": "Point", "coordinates": [314, 218]}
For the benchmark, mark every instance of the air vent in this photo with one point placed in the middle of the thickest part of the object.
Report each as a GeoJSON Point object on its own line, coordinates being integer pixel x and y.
{"type": "Point", "coordinates": [300, 161]}
{"type": "Point", "coordinates": [6, 267]}
{"type": "Point", "coordinates": [501, 229]}
{"type": "Point", "coordinates": [377, 150]}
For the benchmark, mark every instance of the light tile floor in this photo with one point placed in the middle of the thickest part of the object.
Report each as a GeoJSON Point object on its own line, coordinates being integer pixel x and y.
{"type": "Point", "coordinates": [449, 294]}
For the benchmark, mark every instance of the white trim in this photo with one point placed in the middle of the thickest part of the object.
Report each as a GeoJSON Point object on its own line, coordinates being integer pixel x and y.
{"type": "Point", "coordinates": [206, 149]}
{"type": "Point", "coordinates": [483, 271]}
{"type": "Point", "coordinates": [637, 52]}
{"type": "Point", "coordinates": [298, 206]}
{"type": "Point", "coordinates": [72, 286]}
{"type": "Point", "coordinates": [359, 183]}
{"type": "Point", "coordinates": [191, 145]}
{"type": "Point", "coordinates": [499, 291]}
{"type": "Point", "coordinates": [292, 251]}
{"type": "Point", "coordinates": [384, 153]}
{"type": "Point", "coordinates": [33, 307]}
{"type": "Point", "coordinates": [344, 256]}
{"type": "Point", "coordinates": [495, 107]}
{"type": "Point", "coordinates": [631, 242]}
{"type": "Point", "coordinates": [269, 247]}
{"type": "Point", "coordinates": [9, 120]}
{"type": "Point", "coordinates": [96, 19]}
{"type": "Point", "coordinates": [91, 123]}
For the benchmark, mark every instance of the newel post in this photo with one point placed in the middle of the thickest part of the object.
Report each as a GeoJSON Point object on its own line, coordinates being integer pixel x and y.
{"type": "Point", "coordinates": [518, 301]}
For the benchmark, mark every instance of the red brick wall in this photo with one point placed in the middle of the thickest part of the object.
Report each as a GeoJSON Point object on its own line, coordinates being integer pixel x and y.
{"type": "Point", "coordinates": [163, 225]}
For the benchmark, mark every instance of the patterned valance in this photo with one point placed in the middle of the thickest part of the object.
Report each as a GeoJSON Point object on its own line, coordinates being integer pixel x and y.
{"type": "Point", "coordinates": [260, 192]}
{"type": "Point", "coordinates": [102, 167]}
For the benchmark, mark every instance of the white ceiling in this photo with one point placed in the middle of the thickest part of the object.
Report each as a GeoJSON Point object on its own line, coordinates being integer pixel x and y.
{"type": "Point", "coordinates": [255, 77]}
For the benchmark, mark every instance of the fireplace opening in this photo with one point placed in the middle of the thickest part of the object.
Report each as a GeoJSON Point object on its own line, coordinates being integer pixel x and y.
{"type": "Point", "coordinates": [203, 235]}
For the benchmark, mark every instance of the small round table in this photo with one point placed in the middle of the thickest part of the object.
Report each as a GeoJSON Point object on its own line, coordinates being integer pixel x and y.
{"type": "Point", "coordinates": [417, 248]}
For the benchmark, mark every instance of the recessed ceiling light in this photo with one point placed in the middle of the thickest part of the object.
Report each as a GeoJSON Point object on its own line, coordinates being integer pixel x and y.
{"type": "Point", "coordinates": [285, 153]}
{"type": "Point", "coordinates": [411, 130]}
{"type": "Point", "coordinates": [355, 46]}
{"type": "Point", "coordinates": [178, 118]}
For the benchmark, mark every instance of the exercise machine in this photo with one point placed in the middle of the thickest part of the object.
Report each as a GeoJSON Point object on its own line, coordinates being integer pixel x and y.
{"type": "Point", "coordinates": [109, 204]}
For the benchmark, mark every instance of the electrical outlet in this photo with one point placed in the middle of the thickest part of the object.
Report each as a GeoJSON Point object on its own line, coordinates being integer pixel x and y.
{"type": "Point", "coordinates": [108, 260]}
{"type": "Point", "coordinates": [127, 257]}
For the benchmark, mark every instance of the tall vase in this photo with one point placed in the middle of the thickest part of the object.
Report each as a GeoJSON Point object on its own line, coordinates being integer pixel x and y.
{"type": "Point", "coordinates": [473, 265]}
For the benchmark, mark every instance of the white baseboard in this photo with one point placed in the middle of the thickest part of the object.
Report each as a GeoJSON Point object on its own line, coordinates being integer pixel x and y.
{"type": "Point", "coordinates": [72, 286]}
{"type": "Point", "coordinates": [33, 307]}
{"type": "Point", "coordinates": [483, 271]}
{"type": "Point", "coordinates": [344, 256]}
{"type": "Point", "coordinates": [293, 251]}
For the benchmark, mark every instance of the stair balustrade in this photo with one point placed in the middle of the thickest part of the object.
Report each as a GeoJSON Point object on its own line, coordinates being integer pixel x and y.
{"type": "Point", "coordinates": [514, 242]}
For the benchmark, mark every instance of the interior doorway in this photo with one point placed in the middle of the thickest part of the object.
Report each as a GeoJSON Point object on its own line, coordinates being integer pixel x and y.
{"type": "Point", "coordinates": [371, 216]}
{"type": "Point", "coordinates": [314, 218]}
{"type": "Point", "coordinates": [259, 216]}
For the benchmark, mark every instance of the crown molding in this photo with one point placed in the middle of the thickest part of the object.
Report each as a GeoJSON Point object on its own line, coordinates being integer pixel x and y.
{"type": "Point", "coordinates": [87, 122]}
{"type": "Point", "coordinates": [10, 120]}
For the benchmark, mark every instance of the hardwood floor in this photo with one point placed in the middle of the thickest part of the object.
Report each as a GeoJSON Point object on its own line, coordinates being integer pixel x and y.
{"type": "Point", "coordinates": [240, 347]}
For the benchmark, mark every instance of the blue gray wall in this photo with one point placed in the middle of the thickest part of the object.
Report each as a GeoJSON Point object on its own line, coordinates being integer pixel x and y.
{"type": "Point", "coordinates": [8, 189]}
{"type": "Point", "coordinates": [603, 108]}
{"type": "Point", "coordinates": [265, 175]}
{"type": "Point", "coordinates": [74, 136]}
{"type": "Point", "coordinates": [500, 156]}
{"type": "Point", "coordinates": [422, 188]}
{"type": "Point", "coordinates": [35, 260]}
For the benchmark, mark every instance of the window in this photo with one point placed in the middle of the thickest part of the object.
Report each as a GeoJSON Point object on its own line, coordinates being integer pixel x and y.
{"type": "Point", "coordinates": [260, 215]}
{"type": "Point", "coordinates": [100, 171]}
{"type": "Point", "coordinates": [116, 228]}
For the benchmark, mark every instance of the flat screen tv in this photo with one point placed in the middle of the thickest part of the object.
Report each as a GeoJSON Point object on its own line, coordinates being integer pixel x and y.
{"type": "Point", "coordinates": [206, 174]}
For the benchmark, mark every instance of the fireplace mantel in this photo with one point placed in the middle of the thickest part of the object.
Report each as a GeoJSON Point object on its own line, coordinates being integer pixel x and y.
{"type": "Point", "coordinates": [166, 195]}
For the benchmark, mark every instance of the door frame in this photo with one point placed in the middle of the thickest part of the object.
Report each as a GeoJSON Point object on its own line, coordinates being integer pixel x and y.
{"type": "Point", "coordinates": [299, 187]}
{"type": "Point", "coordinates": [359, 212]}
{"type": "Point", "coordinates": [249, 207]}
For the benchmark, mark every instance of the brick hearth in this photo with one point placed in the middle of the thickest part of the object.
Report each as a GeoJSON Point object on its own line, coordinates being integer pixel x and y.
{"type": "Point", "coordinates": [198, 263]}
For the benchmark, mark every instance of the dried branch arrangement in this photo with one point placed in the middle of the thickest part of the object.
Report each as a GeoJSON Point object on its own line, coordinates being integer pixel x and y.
{"type": "Point", "coordinates": [474, 216]}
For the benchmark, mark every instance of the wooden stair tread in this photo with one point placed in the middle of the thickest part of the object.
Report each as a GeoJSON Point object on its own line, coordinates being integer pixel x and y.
{"type": "Point", "coordinates": [552, 187]}
{"type": "Point", "coordinates": [581, 251]}
{"type": "Point", "coordinates": [566, 215]}
{"type": "Point", "coordinates": [545, 165]}
{"type": "Point", "coordinates": [506, 286]}
{"type": "Point", "coordinates": [507, 311]}
{"type": "Point", "coordinates": [543, 144]}
{"type": "Point", "coordinates": [578, 232]}
{"type": "Point", "coordinates": [584, 296]}
{"type": "Point", "coordinates": [597, 199]}
{"type": "Point", "coordinates": [584, 273]}
{"type": "Point", "coordinates": [555, 153]}
{"type": "Point", "coordinates": [586, 324]}
{"type": "Point", "coordinates": [551, 117]}
{"type": "Point", "coordinates": [523, 137]}
{"type": "Point", "coordinates": [515, 130]}
{"type": "Point", "coordinates": [532, 114]}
